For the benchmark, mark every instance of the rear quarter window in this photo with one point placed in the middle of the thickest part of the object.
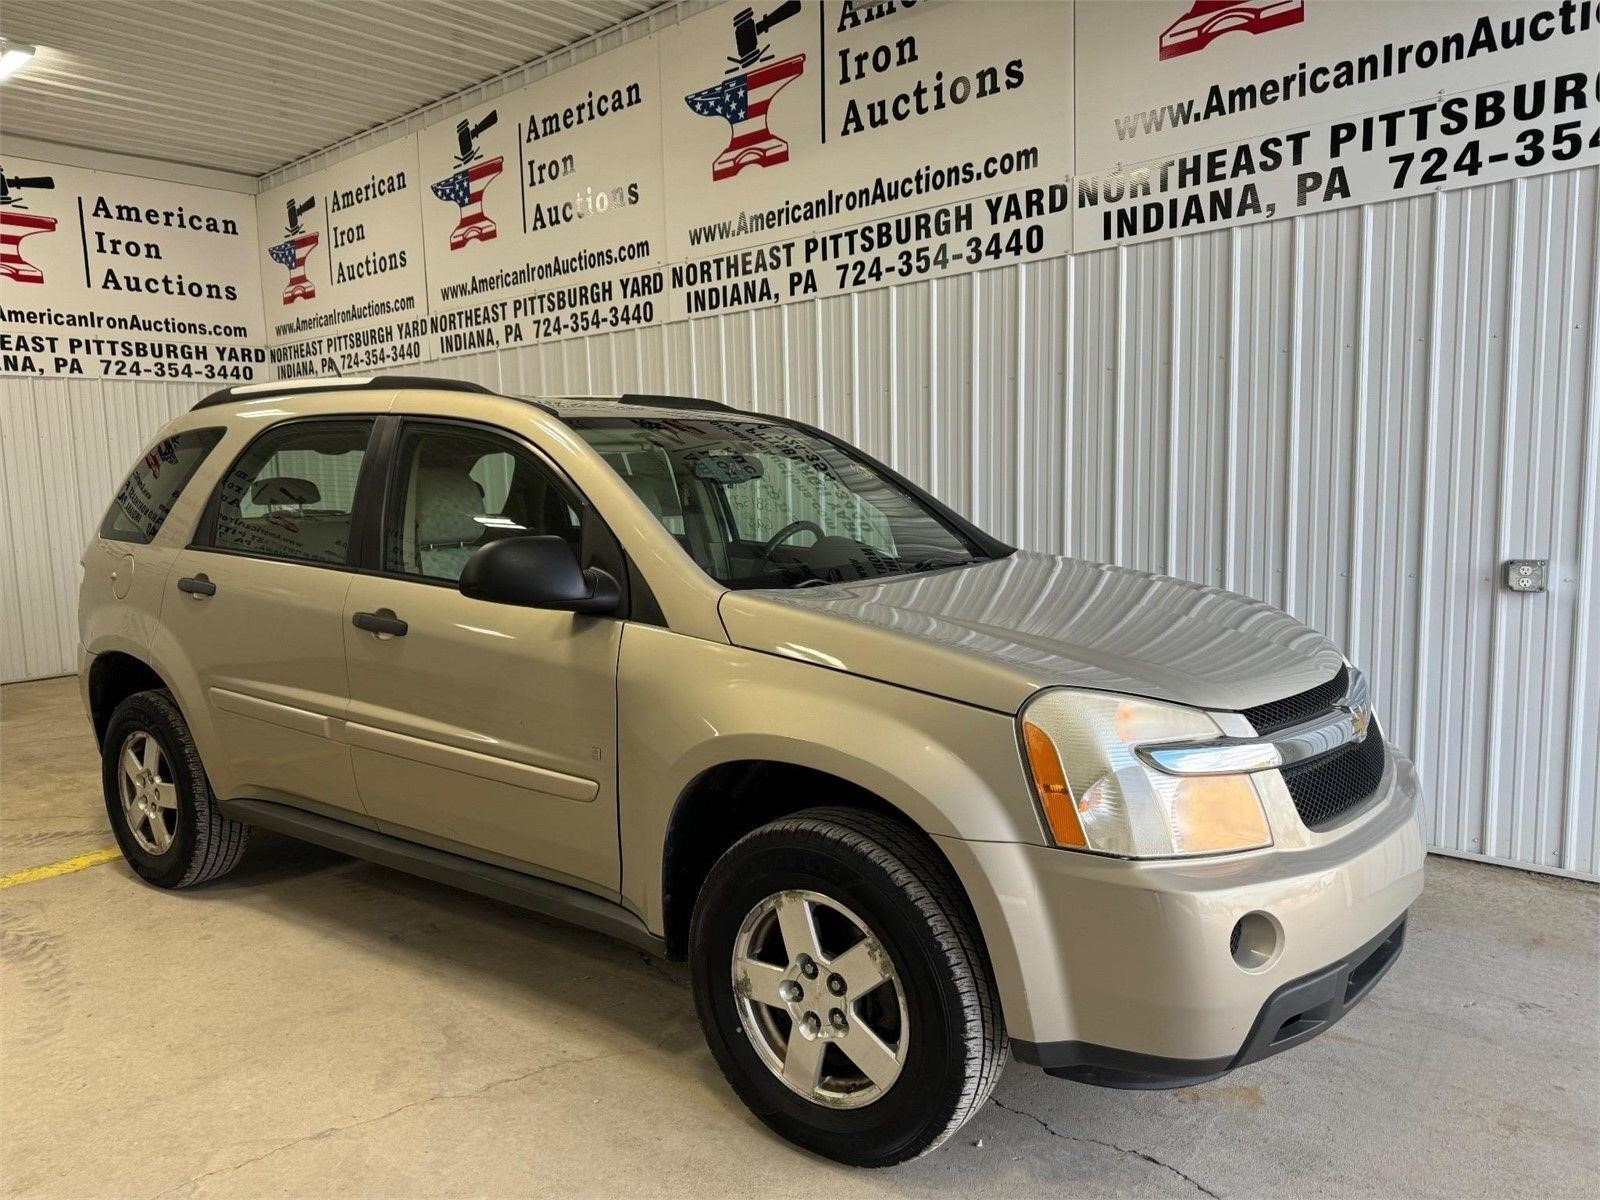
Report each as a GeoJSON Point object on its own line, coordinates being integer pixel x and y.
{"type": "Point", "coordinates": [155, 483]}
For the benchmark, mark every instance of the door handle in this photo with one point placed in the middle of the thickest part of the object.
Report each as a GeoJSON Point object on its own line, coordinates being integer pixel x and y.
{"type": "Point", "coordinates": [197, 586]}
{"type": "Point", "coordinates": [381, 622]}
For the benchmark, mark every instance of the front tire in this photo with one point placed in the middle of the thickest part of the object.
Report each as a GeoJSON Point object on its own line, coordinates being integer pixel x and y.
{"type": "Point", "coordinates": [159, 800]}
{"type": "Point", "coordinates": [842, 989]}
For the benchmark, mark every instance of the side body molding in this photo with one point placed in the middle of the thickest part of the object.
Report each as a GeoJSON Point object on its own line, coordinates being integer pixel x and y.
{"type": "Point", "coordinates": [468, 762]}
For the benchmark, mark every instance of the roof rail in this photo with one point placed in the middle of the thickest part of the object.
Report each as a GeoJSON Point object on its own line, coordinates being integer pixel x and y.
{"type": "Point", "coordinates": [337, 383]}
{"type": "Point", "coordinates": [687, 402]}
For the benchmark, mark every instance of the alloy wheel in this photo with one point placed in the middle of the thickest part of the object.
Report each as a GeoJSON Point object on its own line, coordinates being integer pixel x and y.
{"type": "Point", "coordinates": [820, 999]}
{"type": "Point", "coordinates": [148, 791]}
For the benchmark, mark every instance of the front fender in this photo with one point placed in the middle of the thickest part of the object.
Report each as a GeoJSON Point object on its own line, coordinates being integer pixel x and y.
{"type": "Point", "coordinates": [686, 705]}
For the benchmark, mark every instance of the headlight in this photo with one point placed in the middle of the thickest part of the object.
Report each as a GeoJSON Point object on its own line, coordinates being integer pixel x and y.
{"type": "Point", "coordinates": [1098, 796]}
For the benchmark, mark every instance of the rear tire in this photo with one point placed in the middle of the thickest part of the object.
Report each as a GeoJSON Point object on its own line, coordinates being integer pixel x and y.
{"type": "Point", "coordinates": [937, 1042]}
{"type": "Point", "coordinates": [159, 800]}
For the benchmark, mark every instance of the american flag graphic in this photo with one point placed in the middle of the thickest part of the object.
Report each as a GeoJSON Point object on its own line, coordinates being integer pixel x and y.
{"type": "Point", "coordinates": [15, 225]}
{"type": "Point", "coordinates": [465, 190]}
{"type": "Point", "coordinates": [292, 256]}
{"type": "Point", "coordinates": [743, 101]}
{"type": "Point", "coordinates": [1208, 20]}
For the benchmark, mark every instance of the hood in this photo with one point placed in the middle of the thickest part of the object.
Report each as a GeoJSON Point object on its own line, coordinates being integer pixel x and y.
{"type": "Point", "coordinates": [994, 633]}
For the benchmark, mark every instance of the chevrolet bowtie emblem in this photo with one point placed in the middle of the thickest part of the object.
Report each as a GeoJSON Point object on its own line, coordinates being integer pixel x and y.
{"type": "Point", "coordinates": [1360, 718]}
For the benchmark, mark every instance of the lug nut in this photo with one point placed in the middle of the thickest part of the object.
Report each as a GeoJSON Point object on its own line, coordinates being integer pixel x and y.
{"type": "Point", "coordinates": [836, 984]}
{"type": "Point", "coordinates": [836, 1019]}
{"type": "Point", "coordinates": [789, 991]}
{"type": "Point", "coordinates": [812, 1025]}
{"type": "Point", "coordinates": [808, 968]}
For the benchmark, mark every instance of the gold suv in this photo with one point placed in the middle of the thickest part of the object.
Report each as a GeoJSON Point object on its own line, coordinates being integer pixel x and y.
{"type": "Point", "coordinates": [724, 687]}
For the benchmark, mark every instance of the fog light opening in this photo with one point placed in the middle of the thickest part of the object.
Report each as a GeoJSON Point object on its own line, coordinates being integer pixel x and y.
{"type": "Point", "coordinates": [1255, 941]}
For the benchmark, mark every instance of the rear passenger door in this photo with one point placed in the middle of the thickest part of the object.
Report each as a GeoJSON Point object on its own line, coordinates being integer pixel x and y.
{"type": "Point", "coordinates": [257, 603]}
{"type": "Point", "coordinates": [478, 727]}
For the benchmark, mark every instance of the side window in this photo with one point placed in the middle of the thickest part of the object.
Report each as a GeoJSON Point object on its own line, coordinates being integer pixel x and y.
{"type": "Point", "coordinates": [457, 489]}
{"type": "Point", "coordinates": [154, 485]}
{"type": "Point", "coordinates": [290, 494]}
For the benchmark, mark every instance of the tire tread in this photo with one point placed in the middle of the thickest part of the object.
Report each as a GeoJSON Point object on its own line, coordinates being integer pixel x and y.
{"type": "Point", "coordinates": [219, 841]}
{"type": "Point", "coordinates": [923, 876]}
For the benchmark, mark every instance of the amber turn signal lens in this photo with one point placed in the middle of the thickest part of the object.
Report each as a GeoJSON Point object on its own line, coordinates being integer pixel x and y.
{"type": "Point", "coordinates": [1050, 781]}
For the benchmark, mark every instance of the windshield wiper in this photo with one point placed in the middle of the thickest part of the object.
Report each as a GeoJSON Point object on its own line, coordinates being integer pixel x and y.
{"type": "Point", "coordinates": [938, 564]}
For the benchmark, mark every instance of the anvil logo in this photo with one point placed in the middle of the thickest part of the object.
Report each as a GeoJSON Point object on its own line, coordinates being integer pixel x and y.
{"type": "Point", "coordinates": [291, 254]}
{"type": "Point", "coordinates": [1208, 20]}
{"type": "Point", "coordinates": [471, 179]}
{"type": "Point", "coordinates": [17, 223]}
{"type": "Point", "coordinates": [743, 100]}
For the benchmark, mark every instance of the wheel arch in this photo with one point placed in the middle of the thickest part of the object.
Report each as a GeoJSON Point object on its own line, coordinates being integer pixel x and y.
{"type": "Point", "coordinates": [114, 675]}
{"type": "Point", "coordinates": [726, 801]}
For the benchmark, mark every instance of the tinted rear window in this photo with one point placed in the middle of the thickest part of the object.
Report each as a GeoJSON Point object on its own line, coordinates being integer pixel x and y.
{"type": "Point", "coordinates": [154, 485]}
{"type": "Point", "coordinates": [292, 493]}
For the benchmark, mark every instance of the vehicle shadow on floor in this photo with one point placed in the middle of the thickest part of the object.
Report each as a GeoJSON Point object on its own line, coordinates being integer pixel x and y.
{"type": "Point", "coordinates": [536, 964]}
{"type": "Point", "coordinates": [445, 930]}
{"type": "Point", "coordinates": [1288, 1125]}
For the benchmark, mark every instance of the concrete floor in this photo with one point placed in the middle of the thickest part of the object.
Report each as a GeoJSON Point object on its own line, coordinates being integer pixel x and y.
{"type": "Point", "coordinates": [314, 1026]}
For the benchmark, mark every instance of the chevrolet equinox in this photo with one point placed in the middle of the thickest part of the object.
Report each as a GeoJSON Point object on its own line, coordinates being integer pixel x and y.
{"type": "Point", "coordinates": [722, 686]}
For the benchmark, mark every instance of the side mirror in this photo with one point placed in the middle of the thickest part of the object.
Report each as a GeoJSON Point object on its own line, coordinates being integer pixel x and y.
{"type": "Point", "coordinates": [538, 571]}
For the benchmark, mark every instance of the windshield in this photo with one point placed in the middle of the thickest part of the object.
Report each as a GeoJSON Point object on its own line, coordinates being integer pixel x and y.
{"type": "Point", "coordinates": [762, 505]}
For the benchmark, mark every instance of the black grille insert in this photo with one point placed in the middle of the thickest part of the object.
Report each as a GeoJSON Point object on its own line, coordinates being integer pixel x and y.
{"type": "Point", "coordinates": [1280, 714]}
{"type": "Point", "coordinates": [1325, 788]}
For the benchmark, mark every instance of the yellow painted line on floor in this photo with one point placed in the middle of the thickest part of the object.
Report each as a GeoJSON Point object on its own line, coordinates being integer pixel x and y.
{"type": "Point", "coordinates": [65, 867]}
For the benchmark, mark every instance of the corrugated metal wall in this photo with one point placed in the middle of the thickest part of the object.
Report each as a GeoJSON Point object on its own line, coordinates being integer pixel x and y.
{"type": "Point", "coordinates": [65, 445]}
{"type": "Point", "coordinates": [1356, 416]}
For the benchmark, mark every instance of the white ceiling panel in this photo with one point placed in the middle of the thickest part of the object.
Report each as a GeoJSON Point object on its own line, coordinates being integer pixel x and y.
{"type": "Point", "coordinates": [248, 85]}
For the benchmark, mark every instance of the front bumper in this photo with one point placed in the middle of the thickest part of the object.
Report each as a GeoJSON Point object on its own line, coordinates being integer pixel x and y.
{"type": "Point", "coordinates": [1122, 972]}
{"type": "Point", "coordinates": [1296, 1012]}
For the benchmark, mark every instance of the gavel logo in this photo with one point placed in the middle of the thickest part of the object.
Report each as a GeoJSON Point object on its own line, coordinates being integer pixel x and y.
{"type": "Point", "coordinates": [296, 211]}
{"type": "Point", "coordinates": [747, 31]}
{"type": "Point", "coordinates": [467, 135]}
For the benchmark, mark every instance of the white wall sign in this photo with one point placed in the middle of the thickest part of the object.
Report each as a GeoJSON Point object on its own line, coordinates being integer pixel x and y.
{"type": "Point", "coordinates": [107, 275]}
{"type": "Point", "coordinates": [545, 218]}
{"type": "Point", "coordinates": [1195, 116]}
{"type": "Point", "coordinates": [743, 158]}
{"type": "Point", "coordinates": [754, 155]}
{"type": "Point", "coordinates": [819, 149]}
{"type": "Point", "coordinates": [343, 280]}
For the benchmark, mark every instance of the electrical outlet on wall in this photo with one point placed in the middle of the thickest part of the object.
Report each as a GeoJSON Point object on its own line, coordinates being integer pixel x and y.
{"type": "Point", "coordinates": [1526, 574]}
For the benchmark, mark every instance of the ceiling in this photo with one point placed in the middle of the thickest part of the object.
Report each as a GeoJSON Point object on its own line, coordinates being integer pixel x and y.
{"type": "Point", "coordinates": [249, 85]}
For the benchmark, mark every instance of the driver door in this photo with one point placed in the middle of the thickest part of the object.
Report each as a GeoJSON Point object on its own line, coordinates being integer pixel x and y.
{"type": "Point", "coordinates": [486, 729]}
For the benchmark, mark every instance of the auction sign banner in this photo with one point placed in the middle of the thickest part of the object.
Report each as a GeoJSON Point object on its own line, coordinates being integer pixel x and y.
{"type": "Point", "coordinates": [814, 150]}
{"type": "Point", "coordinates": [758, 154]}
{"type": "Point", "coordinates": [742, 159]}
{"type": "Point", "coordinates": [754, 155]}
{"type": "Point", "coordinates": [116, 277]}
{"type": "Point", "coordinates": [1200, 115]}
{"type": "Point", "coordinates": [545, 218]}
{"type": "Point", "coordinates": [341, 268]}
